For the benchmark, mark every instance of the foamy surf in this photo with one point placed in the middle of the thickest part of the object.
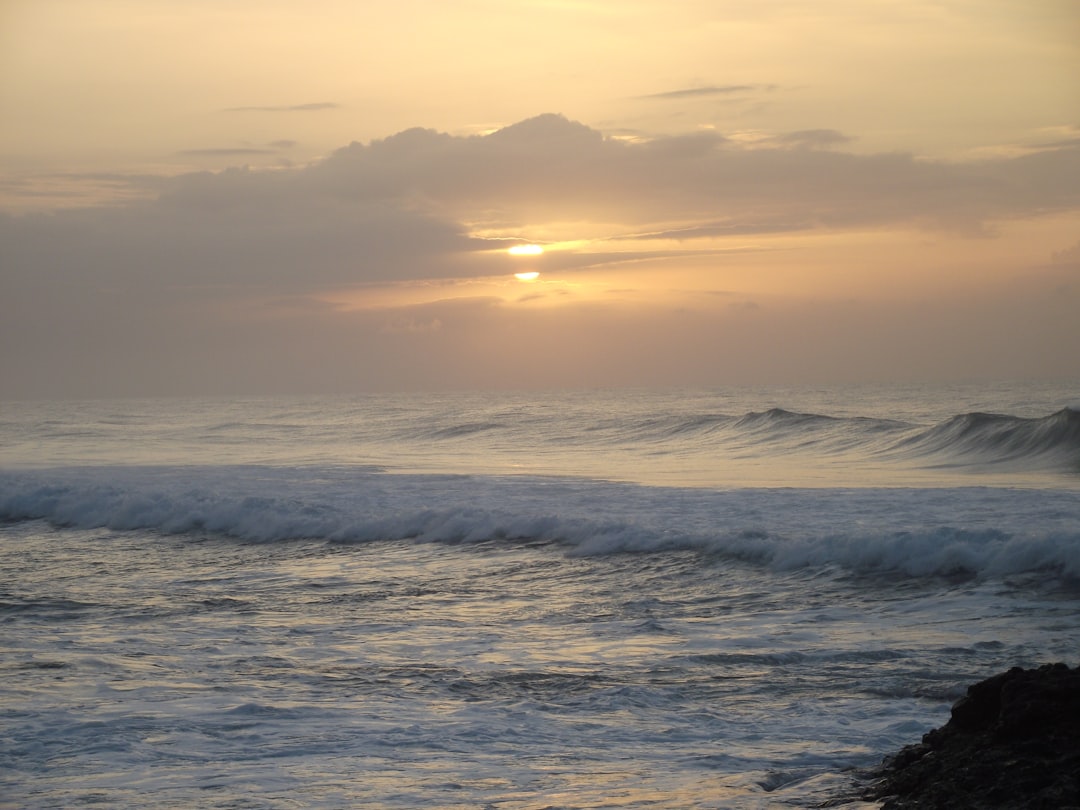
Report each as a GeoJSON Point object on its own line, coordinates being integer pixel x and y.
{"type": "Point", "coordinates": [492, 601]}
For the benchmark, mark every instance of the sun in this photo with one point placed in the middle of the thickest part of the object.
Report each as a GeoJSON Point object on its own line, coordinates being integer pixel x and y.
{"type": "Point", "coordinates": [525, 250]}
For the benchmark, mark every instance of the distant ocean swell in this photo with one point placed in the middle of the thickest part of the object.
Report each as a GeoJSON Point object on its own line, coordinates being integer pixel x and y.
{"type": "Point", "coordinates": [912, 532]}
{"type": "Point", "coordinates": [1051, 442]}
{"type": "Point", "coordinates": [994, 437]}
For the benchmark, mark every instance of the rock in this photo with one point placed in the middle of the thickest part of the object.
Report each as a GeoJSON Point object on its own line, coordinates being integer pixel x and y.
{"type": "Point", "coordinates": [1012, 742]}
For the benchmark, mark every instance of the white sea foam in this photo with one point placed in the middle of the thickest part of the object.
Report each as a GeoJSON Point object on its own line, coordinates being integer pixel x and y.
{"type": "Point", "coordinates": [578, 600]}
{"type": "Point", "coordinates": [916, 532]}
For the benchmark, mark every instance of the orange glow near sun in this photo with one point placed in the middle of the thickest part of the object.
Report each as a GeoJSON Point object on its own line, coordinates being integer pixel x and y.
{"type": "Point", "coordinates": [526, 250]}
{"type": "Point", "coordinates": [531, 275]}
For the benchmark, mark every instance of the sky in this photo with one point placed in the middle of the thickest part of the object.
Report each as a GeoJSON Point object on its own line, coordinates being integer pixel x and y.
{"type": "Point", "coordinates": [223, 197]}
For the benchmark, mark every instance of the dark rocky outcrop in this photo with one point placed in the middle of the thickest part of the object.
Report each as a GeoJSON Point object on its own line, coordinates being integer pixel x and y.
{"type": "Point", "coordinates": [1012, 742]}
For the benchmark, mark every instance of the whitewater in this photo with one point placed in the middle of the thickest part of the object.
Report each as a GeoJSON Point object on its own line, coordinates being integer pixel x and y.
{"type": "Point", "coordinates": [731, 598]}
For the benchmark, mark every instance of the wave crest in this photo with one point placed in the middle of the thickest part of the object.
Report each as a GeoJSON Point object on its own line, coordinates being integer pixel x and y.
{"type": "Point", "coordinates": [916, 533]}
{"type": "Point", "coordinates": [999, 438]}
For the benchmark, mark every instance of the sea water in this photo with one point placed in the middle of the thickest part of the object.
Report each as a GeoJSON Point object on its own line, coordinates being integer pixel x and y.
{"type": "Point", "coordinates": [728, 598]}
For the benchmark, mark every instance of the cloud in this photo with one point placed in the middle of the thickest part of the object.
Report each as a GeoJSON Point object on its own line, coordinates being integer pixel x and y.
{"type": "Point", "coordinates": [241, 251]}
{"type": "Point", "coordinates": [711, 230]}
{"type": "Point", "coordinates": [1067, 143]}
{"type": "Point", "coordinates": [1069, 256]}
{"type": "Point", "coordinates": [398, 208]}
{"type": "Point", "coordinates": [226, 152]}
{"type": "Point", "coordinates": [549, 169]}
{"type": "Point", "coordinates": [1067, 137]}
{"type": "Point", "coordinates": [700, 92]}
{"type": "Point", "coordinates": [484, 344]}
{"type": "Point", "coordinates": [220, 236]}
{"type": "Point", "coordinates": [812, 139]}
{"type": "Point", "coordinates": [410, 325]}
{"type": "Point", "coordinates": [310, 107]}
{"type": "Point", "coordinates": [588, 259]}
{"type": "Point", "coordinates": [271, 148]}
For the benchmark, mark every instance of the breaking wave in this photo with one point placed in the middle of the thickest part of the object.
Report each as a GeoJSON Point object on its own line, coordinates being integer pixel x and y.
{"type": "Point", "coordinates": [997, 438]}
{"type": "Point", "coordinates": [911, 532]}
{"type": "Point", "coordinates": [1050, 442]}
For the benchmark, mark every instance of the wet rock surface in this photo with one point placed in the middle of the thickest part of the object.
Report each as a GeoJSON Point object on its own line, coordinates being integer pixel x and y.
{"type": "Point", "coordinates": [1012, 742]}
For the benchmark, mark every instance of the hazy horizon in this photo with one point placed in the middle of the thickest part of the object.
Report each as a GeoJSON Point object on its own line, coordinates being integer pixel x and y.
{"type": "Point", "coordinates": [229, 198]}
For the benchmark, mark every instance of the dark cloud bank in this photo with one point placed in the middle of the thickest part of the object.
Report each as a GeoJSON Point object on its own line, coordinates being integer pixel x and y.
{"type": "Point", "coordinates": [212, 284]}
{"type": "Point", "coordinates": [394, 208]}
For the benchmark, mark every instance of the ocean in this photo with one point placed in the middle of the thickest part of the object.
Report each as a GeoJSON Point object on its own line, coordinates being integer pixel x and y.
{"type": "Point", "coordinates": [730, 598]}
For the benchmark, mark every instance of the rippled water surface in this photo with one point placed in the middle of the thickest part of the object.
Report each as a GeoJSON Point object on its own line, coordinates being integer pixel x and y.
{"type": "Point", "coordinates": [399, 603]}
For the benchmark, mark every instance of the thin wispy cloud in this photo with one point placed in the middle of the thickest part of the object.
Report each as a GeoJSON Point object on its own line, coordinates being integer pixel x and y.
{"type": "Point", "coordinates": [1068, 143]}
{"type": "Point", "coordinates": [812, 138]}
{"type": "Point", "coordinates": [701, 92]}
{"type": "Point", "coordinates": [718, 229]}
{"type": "Point", "coordinates": [226, 152]}
{"type": "Point", "coordinates": [311, 107]}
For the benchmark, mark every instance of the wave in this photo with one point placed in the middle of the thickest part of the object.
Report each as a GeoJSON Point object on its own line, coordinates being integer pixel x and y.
{"type": "Point", "coordinates": [1049, 443]}
{"type": "Point", "coordinates": [672, 427]}
{"type": "Point", "coordinates": [970, 438]}
{"type": "Point", "coordinates": [696, 439]}
{"type": "Point", "coordinates": [779, 418]}
{"type": "Point", "coordinates": [999, 439]}
{"type": "Point", "coordinates": [775, 423]}
{"type": "Point", "coordinates": [917, 533]}
{"type": "Point", "coordinates": [459, 431]}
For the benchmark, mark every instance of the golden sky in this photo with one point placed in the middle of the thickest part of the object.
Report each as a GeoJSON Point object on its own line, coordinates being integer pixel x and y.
{"type": "Point", "coordinates": [226, 196]}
